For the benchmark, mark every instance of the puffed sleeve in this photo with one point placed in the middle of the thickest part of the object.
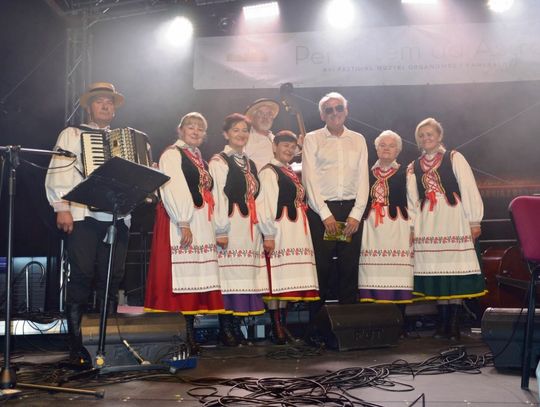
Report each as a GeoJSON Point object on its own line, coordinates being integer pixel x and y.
{"type": "Point", "coordinates": [413, 200]}
{"type": "Point", "coordinates": [470, 195]}
{"type": "Point", "coordinates": [267, 203]}
{"type": "Point", "coordinates": [62, 175]}
{"type": "Point", "coordinates": [219, 169]}
{"type": "Point", "coordinates": [175, 193]}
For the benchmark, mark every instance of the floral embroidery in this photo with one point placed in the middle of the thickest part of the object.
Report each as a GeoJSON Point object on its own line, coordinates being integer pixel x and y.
{"type": "Point", "coordinates": [442, 239]}
{"type": "Point", "coordinates": [386, 253]}
{"type": "Point", "coordinates": [240, 253]}
{"type": "Point", "coordinates": [293, 251]}
{"type": "Point", "coordinates": [198, 249]}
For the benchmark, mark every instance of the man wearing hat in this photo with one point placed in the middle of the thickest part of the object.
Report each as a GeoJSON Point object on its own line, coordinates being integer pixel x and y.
{"type": "Point", "coordinates": [85, 228]}
{"type": "Point", "coordinates": [261, 113]}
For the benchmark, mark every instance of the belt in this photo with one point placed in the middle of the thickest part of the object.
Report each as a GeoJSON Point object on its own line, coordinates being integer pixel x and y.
{"type": "Point", "coordinates": [347, 201]}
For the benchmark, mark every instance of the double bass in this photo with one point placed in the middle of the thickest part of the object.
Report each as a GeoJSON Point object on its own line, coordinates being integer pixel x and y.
{"type": "Point", "coordinates": [507, 278]}
{"type": "Point", "coordinates": [285, 92]}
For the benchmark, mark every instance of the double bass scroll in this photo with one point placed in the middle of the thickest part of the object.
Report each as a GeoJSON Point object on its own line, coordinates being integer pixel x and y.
{"type": "Point", "coordinates": [286, 92]}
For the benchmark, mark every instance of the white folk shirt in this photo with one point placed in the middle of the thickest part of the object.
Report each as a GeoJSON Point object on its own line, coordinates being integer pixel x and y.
{"type": "Point", "coordinates": [335, 168]}
{"type": "Point", "coordinates": [259, 148]}
{"type": "Point", "coordinates": [65, 173]}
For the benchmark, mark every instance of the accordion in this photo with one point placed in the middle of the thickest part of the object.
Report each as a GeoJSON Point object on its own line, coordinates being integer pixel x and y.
{"type": "Point", "coordinates": [98, 146]}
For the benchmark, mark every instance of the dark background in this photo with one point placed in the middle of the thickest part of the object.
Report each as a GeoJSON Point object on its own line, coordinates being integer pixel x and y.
{"type": "Point", "coordinates": [158, 89]}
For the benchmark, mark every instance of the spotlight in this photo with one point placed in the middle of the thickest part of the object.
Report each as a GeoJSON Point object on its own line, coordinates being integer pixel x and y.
{"type": "Point", "coordinates": [500, 6]}
{"type": "Point", "coordinates": [179, 31]}
{"type": "Point", "coordinates": [261, 11]}
{"type": "Point", "coordinates": [340, 13]}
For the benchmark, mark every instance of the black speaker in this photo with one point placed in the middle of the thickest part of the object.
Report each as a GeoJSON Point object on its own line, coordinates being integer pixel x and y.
{"type": "Point", "coordinates": [359, 326]}
{"type": "Point", "coordinates": [154, 336]}
{"type": "Point", "coordinates": [498, 325]}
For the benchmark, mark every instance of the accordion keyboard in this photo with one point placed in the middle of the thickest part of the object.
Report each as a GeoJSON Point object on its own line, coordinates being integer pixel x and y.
{"type": "Point", "coordinates": [94, 152]}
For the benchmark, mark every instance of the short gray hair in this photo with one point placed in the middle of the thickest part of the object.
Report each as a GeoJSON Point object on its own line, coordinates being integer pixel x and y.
{"type": "Point", "coordinates": [389, 133]}
{"type": "Point", "coordinates": [331, 95]}
{"type": "Point", "coordinates": [430, 121]}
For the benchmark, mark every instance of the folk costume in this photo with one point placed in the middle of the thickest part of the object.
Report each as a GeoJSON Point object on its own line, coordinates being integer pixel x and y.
{"type": "Point", "coordinates": [385, 272]}
{"type": "Point", "coordinates": [447, 203]}
{"type": "Point", "coordinates": [242, 265]}
{"type": "Point", "coordinates": [184, 279]}
{"type": "Point", "coordinates": [282, 217]}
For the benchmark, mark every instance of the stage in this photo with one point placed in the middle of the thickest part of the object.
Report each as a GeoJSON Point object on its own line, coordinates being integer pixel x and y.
{"type": "Point", "coordinates": [484, 386]}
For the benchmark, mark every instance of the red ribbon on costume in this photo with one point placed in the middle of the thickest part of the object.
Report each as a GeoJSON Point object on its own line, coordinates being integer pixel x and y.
{"type": "Point", "coordinates": [209, 199]}
{"type": "Point", "coordinates": [432, 198]}
{"type": "Point", "coordinates": [252, 209]}
{"type": "Point", "coordinates": [207, 196]}
{"type": "Point", "coordinates": [303, 208]}
{"type": "Point", "coordinates": [379, 212]}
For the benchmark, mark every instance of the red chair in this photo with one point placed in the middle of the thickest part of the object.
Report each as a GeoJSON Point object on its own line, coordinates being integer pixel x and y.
{"type": "Point", "coordinates": [525, 215]}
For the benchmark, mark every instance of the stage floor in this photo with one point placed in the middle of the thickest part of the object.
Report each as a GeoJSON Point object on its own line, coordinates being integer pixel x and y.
{"type": "Point", "coordinates": [485, 387]}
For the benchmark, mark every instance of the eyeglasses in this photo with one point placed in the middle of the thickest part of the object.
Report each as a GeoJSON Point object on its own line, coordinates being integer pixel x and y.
{"type": "Point", "coordinates": [337, 109]}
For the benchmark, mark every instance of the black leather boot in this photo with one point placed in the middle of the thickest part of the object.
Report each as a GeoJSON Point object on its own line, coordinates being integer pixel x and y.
{"type": "Point", "coordinates": [441, 331]}
{"type": "Point", "coordinates": [404, 328]}
{"type": "Point", "coordinates": [289, 337]}
{"type": "Point", "coordinates": [226, 333]}
{"type": "Point", "coordinates": [194, 347]}
{"type": "Point", "coordinates": [237, 332]}
{"type": "Point", "coordinates": [278, 335]}
{"type": "Point", "coordinates": [78, 355]}
{"type": "Point", "coordinates": [454, 333]}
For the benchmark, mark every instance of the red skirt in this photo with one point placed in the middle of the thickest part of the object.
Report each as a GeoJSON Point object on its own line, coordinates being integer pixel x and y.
{"type": "Point", "coordinates": [159, 294]}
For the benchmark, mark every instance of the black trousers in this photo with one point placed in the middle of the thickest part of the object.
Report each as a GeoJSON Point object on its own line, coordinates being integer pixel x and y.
{"type": "Point", "coordinates": [88, 258]}
{"type": "Point", "coordinates": [346, 272]}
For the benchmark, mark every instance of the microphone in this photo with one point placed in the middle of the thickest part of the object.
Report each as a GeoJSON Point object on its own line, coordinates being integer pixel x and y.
{"type": "Point", "coordinates": [65, 153]}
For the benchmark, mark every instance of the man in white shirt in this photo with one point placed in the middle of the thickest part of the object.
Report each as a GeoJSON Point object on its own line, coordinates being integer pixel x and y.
{"type": "Point", "coordinates": [85, 228]}
{"type": "Point", "coordinates": [335, 174]}
{"type": "Point", "coordinates": [261, 113]}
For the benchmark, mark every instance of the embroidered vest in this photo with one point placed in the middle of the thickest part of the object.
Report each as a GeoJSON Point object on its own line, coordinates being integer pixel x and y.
{"type": "Point", "coordinates": [397, 192]}
{"type": "Point", "coordinates": [194, 178]}
{"type": "Point", "coordinates": [289, 194]}
{"type": "Point", "coordinates": [447, 180]}
{"type": "Point", "coordinates": [238, 182]}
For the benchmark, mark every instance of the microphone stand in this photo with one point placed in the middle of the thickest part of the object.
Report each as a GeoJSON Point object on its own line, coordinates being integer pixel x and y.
{"type": "Point", "coordinates": [8, 379]}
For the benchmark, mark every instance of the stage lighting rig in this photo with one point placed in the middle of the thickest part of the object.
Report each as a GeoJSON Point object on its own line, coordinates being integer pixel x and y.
{"type": "Point", "coordinates": [268, 10]}
{"type": "Point", "coordinates": [340, 13]}
{"type": "Point", "coordinates": [500, 6]}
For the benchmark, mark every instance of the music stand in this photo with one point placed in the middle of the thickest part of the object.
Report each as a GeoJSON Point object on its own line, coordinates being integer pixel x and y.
{"type": "Point", "coordinates": [117, 186]}
{"type": "Point", "coordinates": [8, 377]}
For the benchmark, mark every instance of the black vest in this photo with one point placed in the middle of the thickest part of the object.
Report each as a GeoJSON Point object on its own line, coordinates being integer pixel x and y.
{"type": "Point", "coordinates": [397, 193]}
{"type": "Point", "coordinates": [193, 178]}
{"type": "Point", "coordinates": [287, 194]}
{"type": "Point", "coordinates": [236, 184]}
{"type": "Point", "coordinates": [446, 175]}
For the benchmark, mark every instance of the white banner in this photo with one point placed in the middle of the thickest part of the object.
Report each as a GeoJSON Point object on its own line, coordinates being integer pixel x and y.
{"type": "Point", "coordinates": [403, 55]}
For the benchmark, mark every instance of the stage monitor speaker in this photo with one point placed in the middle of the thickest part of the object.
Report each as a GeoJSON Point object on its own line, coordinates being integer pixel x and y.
{"type": "Point", "coordinates": [498, 325]}
{"type": "Point", "coordinates": [359, 326]}
{"type": "Point", "coordinates": [154, 336]}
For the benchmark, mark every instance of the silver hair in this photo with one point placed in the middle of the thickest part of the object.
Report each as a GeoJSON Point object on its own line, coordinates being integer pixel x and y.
{"type": "Point", "coordinates": [389, 133]}
{"type": "Point", "coordinates": [331, 95]}
{"type": "Point", "coordinates": [430, 121]}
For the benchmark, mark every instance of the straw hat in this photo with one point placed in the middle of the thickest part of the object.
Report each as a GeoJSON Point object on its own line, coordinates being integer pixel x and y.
{"type": "Point", "coordinates": [270, 103]}
{"type": "Point", "coordinates": [101, 89]}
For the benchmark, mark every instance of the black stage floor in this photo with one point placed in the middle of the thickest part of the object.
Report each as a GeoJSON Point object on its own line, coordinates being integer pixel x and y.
{"type": "Point", "coordinates": [484, 386]}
